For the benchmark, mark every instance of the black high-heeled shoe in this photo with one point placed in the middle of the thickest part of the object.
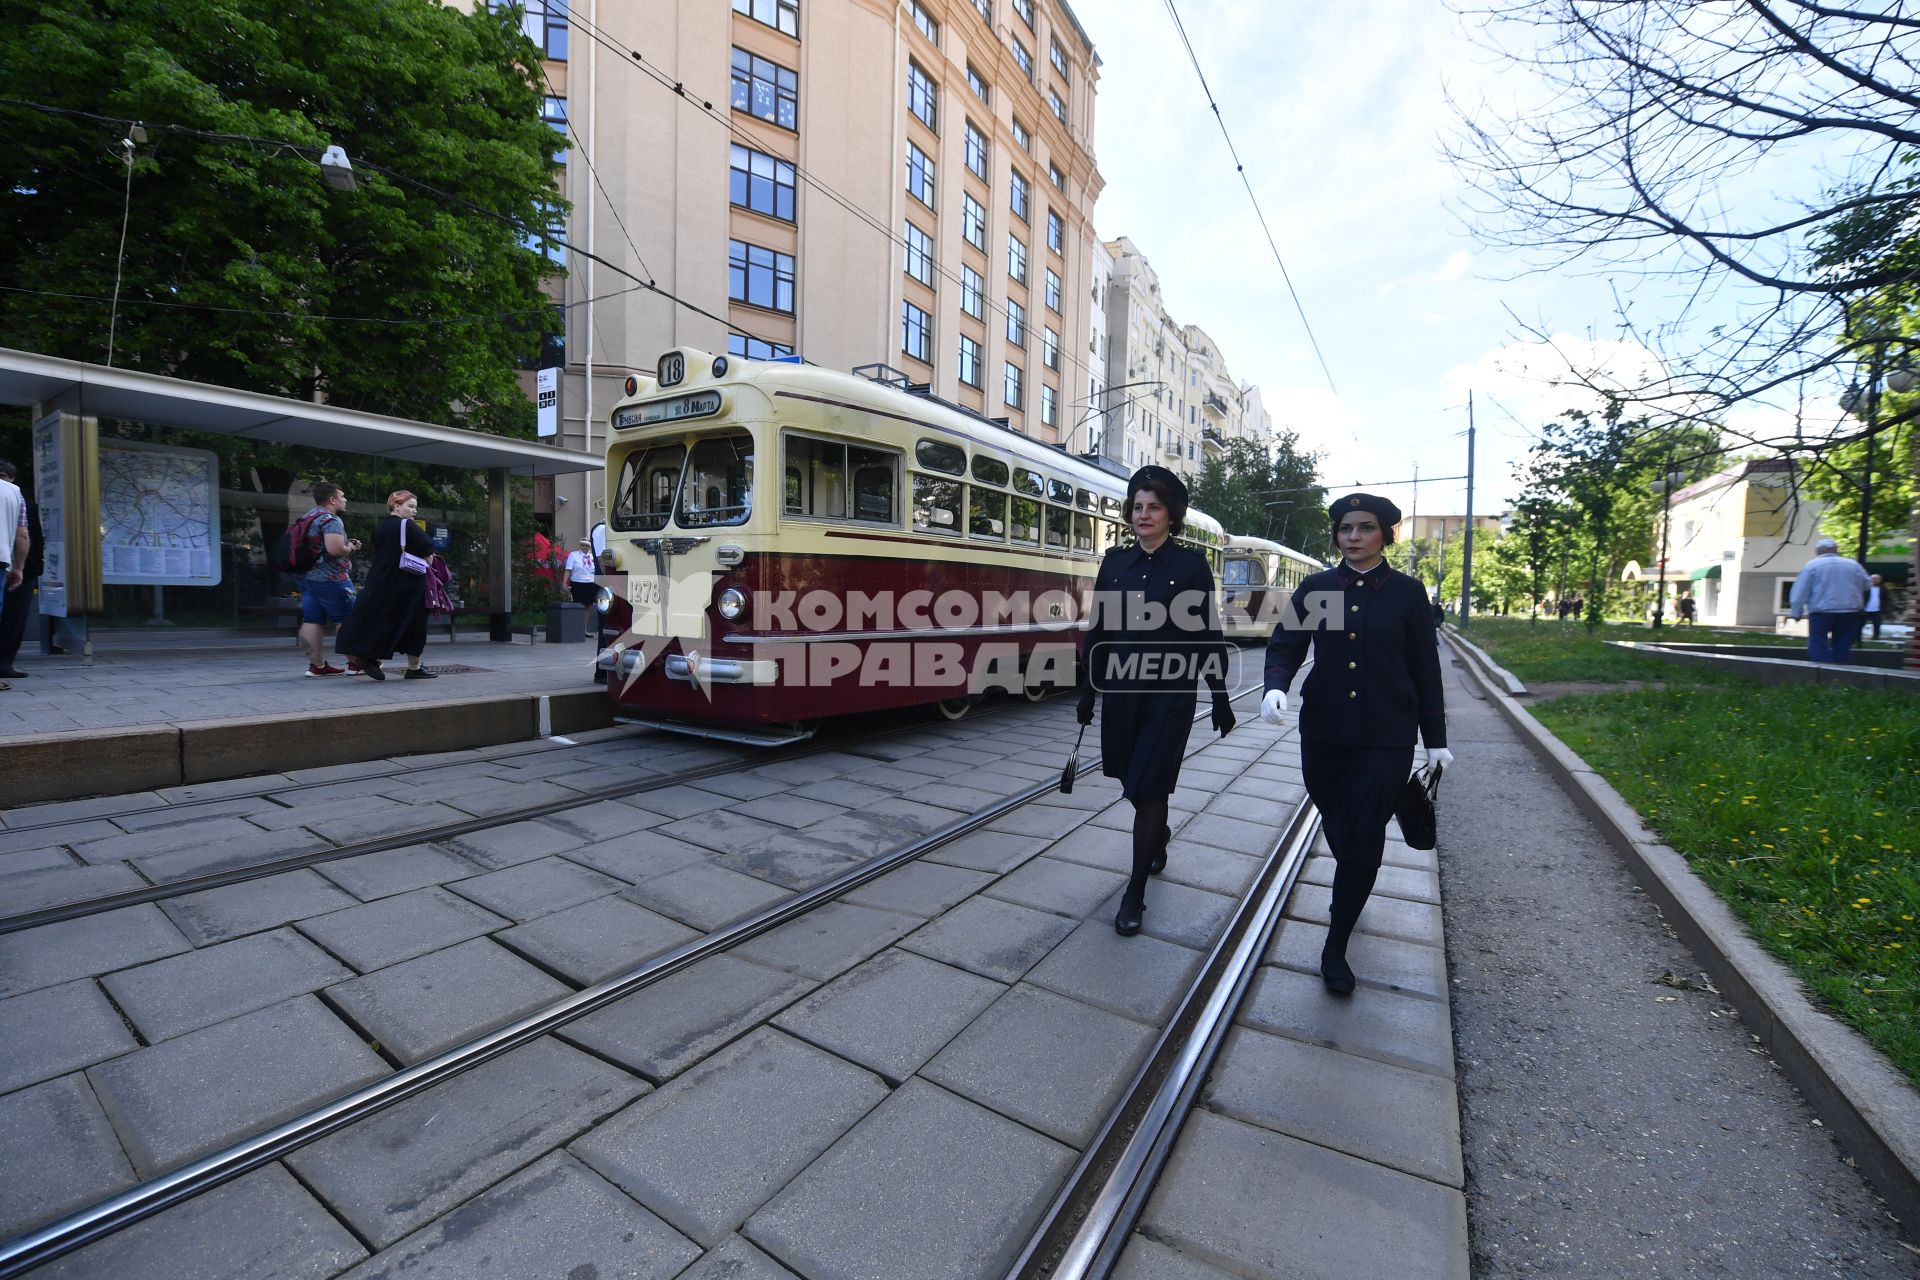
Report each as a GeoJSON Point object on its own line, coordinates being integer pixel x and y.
{"type": "Point", "coordinates": [1126, 922]}
{"type": "Point", "coordinates": [1335, 972]}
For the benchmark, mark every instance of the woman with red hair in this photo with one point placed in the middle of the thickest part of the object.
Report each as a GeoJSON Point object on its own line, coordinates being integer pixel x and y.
{"type": "Point", "coordinates": [390, 615]}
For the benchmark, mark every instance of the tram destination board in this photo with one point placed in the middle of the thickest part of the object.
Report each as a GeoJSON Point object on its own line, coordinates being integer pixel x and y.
{"type": "Point", "coordinates": [701, 404]}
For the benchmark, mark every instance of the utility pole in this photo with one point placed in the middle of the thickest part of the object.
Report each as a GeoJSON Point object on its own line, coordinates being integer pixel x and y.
{"type": "Point", "coordinates": [1466, 547]}
{"type": "Point", "coordinates": [1413, 530]}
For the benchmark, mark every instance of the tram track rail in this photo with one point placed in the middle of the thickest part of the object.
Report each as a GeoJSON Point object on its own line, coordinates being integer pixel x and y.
{"type": "Point", "coordinates": [62, 1236]}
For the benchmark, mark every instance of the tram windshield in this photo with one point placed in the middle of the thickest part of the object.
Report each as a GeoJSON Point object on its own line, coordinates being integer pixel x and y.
{"type": "Point", "coordinates": [648, 480]}
{"type": "Point", "coordinates": [718, 489]}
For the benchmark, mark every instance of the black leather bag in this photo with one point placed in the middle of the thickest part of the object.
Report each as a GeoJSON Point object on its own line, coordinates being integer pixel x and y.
{"type": "Point", "coordinates": [1415, 808]}
{"type": "Point", "coordinates": [1071, 770]}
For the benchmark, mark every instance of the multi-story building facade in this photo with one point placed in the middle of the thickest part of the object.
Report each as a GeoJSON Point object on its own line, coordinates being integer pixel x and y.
{"type": "Point", "coordinates": [843, 181]}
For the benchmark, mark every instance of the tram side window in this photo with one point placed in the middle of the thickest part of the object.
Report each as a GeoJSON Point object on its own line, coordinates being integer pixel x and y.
{"type": "Point", "coordinates": [719, 484]}
{"type": "Point", "coordinates": [936, 455]}
{"type": "Point", "coordinates": [1061, 492]}
{"type": "Point", "coordinates": [936, 504]}
{"type": "Point", "coordinates": [986, 514]}
{"type": "Point", "coordinates": [1026, 519]}
{"type": "Point", "coordinates": [817, 481]}
{"type": "Point", "coordinates": [989, 471]}
{"type": "Point", "coordinates": [1028, 482]}
{"type": "Point", "coordinates": [1059, 527]}
{"type": "Point", "coordinates": [1083, 533]}
{"type": "Point", "coordinates": [873, 484]}
{"type": "Point", "coordinates": [644, 498]}
{"type": "Point", "coordinates": [1112, 534]}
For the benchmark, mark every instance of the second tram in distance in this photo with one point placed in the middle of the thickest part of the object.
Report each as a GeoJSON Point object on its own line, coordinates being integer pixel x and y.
{"type": "Point", "coordinates": [1257, 579]}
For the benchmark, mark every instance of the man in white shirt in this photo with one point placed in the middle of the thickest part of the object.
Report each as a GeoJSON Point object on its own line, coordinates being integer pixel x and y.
{"type": "Point", "coordinates": [1831, 594]}
{"type": "Point", "coordinates": [1876, 602]}
{"type": "Point", "coordinates": [580, 571]}
{"type": "Point", "coordinates": [14, 541]}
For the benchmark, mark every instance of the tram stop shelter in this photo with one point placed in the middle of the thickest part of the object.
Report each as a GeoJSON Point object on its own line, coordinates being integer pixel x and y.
{"type": "Point", "coordinates": [67, 399]}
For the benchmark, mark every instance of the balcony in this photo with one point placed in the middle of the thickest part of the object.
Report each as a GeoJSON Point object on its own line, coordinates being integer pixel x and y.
{"type": "Point", "coordinates": [1214, 404]}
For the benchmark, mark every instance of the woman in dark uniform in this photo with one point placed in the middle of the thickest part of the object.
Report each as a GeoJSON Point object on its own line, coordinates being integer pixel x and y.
{"type": "Point", "coordinates": [1375, 681]}
{"type": "Point", "coordinates": [390, 615]}
{"type": "Point", "coordinates": [1152, 627]}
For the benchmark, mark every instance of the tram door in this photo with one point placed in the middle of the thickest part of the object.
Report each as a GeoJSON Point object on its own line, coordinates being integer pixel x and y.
{"type": "Point", "coordinates": [683, 500]}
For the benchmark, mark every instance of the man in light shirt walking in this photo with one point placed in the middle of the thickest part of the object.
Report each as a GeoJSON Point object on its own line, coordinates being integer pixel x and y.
{"type": "Point", "coordinates": [1831, 594]}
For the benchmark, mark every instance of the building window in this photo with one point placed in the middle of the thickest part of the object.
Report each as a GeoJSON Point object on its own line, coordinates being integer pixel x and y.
{"type": "Point", "coordinates": [1057, 104]}
{"type": "Point", "coordinates": [986, 10]}
{"type": "Point", "coordinates": [759, 277]}
{"type": "Point", "coordinates": [1016, 258]}
{"type": "Point", "coordinates": [762, 183]}
{"type": "Point", "coordinates": [1055, 55]}
{"type": "Point", "coordinates": [1049, 406]}
{"type": "Point", "coordinates": [919, 175]}
{"type": "Point", "coordinates": [1049, 347]}
{"type": "Point", "coordinates": [923, 99]}
{"type": "Point", "coordinates": [919, 255]}
{"type": "Point", "coordinates": [1018, 200]}
{"type": "Point", "coordinates": [739, 344]}
{"type": "Point", "coordinates": [969, 361]}
{"type": "Point", "coordinates": [1056, 233]}
{"type": "Point", "coordinates": [1025, 9]}
{"type": "Point", "coordinates": [973, 222]}
{"type": "Point", "coordinates": [782, 15]}
{"type": "Point", "coordinates": [928, 27]}
{"type": "Point", "coordinates": [554, 112]}
{"type": "Point", "coordinates": [1021, 136]}
{"type": "Point", "coordinates": [545, 23]}
{"type": "Point", "coordinates": [550, 240]}
{"type": "Point", "coordinates": [1057, 178]}
{"type": "Point", "coordinates": [978, 83]}
{"type": "Point", "coordinates": [1022, 58]}
{"type": "Point", "coordinates": [1016, 324]}
{"type": "Point", "coordinates": [1013, 385]}
{"type": "Point", "coordinates": [972, 297]}
{"type": "Point", "coordinates": [1053, 289]}
{"type": "Point", "coordinates": [976, 151]}
{"type": "Point", "coordinates": [916, 333]}
{"type": "Point", "coordinates": [766, 90]}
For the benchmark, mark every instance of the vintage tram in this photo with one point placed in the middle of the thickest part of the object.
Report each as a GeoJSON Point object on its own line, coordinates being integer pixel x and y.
{"type": "Point", "coordinates": [1257, 577]}
{"type": "Point", "coordinates": [792, 543]}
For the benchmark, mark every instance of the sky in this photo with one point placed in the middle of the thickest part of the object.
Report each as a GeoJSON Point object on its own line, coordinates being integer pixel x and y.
{"type": "Point", "coordinates": [1340, 112]}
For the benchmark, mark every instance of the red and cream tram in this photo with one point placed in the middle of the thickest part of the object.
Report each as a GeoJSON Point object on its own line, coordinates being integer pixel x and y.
{"type": "Point", "coordinates": [798, 543]}
{"type": "Point", "coordinates": [1257, 577]}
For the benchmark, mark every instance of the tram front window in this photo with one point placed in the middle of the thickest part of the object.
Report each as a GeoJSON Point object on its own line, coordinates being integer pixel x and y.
{"type": "Point", "coordinates": [648, 480]}
{"type": "Point", "coordinates": [718, 489]}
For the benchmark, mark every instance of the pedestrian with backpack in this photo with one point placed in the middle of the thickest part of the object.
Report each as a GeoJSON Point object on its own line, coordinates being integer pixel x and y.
{"type": "Point", "coordinates": [317, 547]}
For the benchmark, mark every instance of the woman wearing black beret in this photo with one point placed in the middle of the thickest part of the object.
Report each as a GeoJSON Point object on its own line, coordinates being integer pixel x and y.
{"type": "Point", "coordinates": [1153, 628]}
{"type": "Point", "coordinates": [1375, 683]}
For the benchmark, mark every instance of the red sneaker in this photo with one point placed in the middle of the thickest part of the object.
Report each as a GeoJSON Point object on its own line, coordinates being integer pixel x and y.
{"type": "Point", "coordinates": [354, 668]}
{"type": "Point", "coordinates": [328, 670]}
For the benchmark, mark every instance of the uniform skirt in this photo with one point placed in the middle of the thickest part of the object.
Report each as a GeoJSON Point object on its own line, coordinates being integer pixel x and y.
{"type": "Point", "coordinates": [1143, 737]}
{"type": "Point", "coordinates": [1355, 789]}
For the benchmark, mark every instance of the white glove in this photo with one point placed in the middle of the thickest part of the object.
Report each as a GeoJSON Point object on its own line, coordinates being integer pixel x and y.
{"type": "Point", "coordinates": [1273, 707]}
{"type": "Point", "coordinates": [1440, 758]}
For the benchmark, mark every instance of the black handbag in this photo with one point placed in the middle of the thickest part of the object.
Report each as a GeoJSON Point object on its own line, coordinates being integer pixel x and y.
{"type": "Point", "coordinates": [1071, 769]}
{"type": "Point", "coordinates": [1415, 808]}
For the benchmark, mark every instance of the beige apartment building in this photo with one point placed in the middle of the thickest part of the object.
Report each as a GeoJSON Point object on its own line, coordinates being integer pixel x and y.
{"type": "Point", "coordinates": [909, 182]}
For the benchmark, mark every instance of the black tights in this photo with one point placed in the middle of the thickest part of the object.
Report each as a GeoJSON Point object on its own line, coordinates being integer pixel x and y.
{"type": "Point", "coordinates": [1149, 842]}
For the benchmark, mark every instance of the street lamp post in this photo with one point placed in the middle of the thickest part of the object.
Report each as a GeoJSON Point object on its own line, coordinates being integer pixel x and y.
{"type": "Point", "coordinates": [1668, 481]}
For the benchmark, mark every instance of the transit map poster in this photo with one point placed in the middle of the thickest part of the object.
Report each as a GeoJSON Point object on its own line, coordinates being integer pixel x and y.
{"type": "Point", "coordinates": [48, 494]}
{"type": "Point", "coordinates": [159, 515]}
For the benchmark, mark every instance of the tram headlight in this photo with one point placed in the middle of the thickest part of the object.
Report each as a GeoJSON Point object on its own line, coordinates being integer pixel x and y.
{"type": "Point", "coordinates": [732, 603]}
{"type": "Point", "coordinates": [603, 600]}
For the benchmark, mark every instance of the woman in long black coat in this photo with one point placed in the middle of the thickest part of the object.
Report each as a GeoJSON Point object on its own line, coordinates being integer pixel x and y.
{"type": "Point", "coordinates": [1154, 629]}
{"type": "Point", "coordinates": [390, 615]}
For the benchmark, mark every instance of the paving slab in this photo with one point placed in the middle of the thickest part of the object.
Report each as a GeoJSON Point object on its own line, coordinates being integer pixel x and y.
{"type": "Point", "coordinates": [262, 1224]}
{"type": "Point", "coordinates": [386, 931]}
{"type": "Point", "coordinates": [707, 1150]}
{"type": "Point", "coordinates": [536, 888]}
{"type": "Point", "coordinates": [804, 859]}
{"type": "Point", "coordinates": [142, 844]}
{"type": "Point", "coordinates": [557, 1218]}
{"type": "Point", "coordinates": [215, 915]}
{"type": "Point", "coordinates": [420, 1007]}
{"type": "Point", "coordinates": [1390, 882]}
{"type": "Point", "coordinates": [1389, 917]}
{"type": "Point", "coordinates": [18, 863]}
{"type": "Point", "coordinates": [174, 815]}
{"type": "Point", "coordinates": [735, 1259]}
{"type": "Point", "coordinates": [1051, 1063]}
{"type": "Point", "coordinates": [998, 940]}
{"type": "Point", "coordinates": [58, 1130]}
{"type": "Point", "coordinates": [997, 852]}
{"type": "Point", "coordinates": [1178, 913]}
{"type": "Point", "coordinates": [1145, 1259]}
{"type": "Point", "coordinates": [596, 939]}
{"type": "Point", "coordinates": [56, 885]}
{"type": "Point", "coordinates": [1387, 964]}
{"type": "Point", "coordinates": [513, 844]}
{"type": "Point", "coordinates": [1263, 1204]}
{"type": "Point", "coordinates": [743, 785]}
{"type": "Point", "coordinates": [827, 941]}
{"type": "Point", "coordinates": [888, 1200]}
{"type": "Point", "coordinates": [1061, 887]}
{"type": "Point", "coordinates": [186, 992]}
{"type": "Point", "coordinates": [604, 820]}
{"type": "Point", "coordinates": [227, 855]}
{"type": "Point", "coordinates": [680, 801]}
{"type": "Point", "coordinates": [399, 1169]}
{"type": "Point", "coordinates": [382, 875]}
{"type": "Point", "coordinates": [892, 1013]}
{"type": "Point", "coordinates": [507, 797]}
{"type": "Point", "coordinates": [194, 1094]}
{"type": "Point", "coordinates": [920, 888]}
{"type": "Point", "coordinates": [1406, 1120]}
{"type": "Point", "coordinates": [1400, 1029]}
{"type": "Point", "coordinates": [51, 954]}
{"type": "Point", "coordinates": [705, 896]}
{"type": "Point", "coordinates": [374, 821]}
{"type": "Point", "coordinates": [1038, 820]}
{"type": "Point", "coordinates": [55, 1030]}
{"type": "Point", "coordinates": [788, 809]}
{"type": "Point", "coordinates": [1097, 846]}
{"type": "Point", "coordinates": [665, 1028]}
{"type": "Point", "coordinates": [1142, 977]}
{"type": "Point", "coordinates": [285, 816]}
{"type": "Point", "coordinates": [638, 856]}
{"type": "Point", "coordinates": [1214, 870]}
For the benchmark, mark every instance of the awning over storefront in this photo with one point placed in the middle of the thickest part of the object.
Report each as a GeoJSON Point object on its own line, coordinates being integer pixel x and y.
{"type": "Point", "coordinates": [1710, 572]}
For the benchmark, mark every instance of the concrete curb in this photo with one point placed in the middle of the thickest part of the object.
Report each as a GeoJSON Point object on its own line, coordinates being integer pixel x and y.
{"type": "Point", "coordinates": [1488, 667]}
{"type": "Point", "coordinates": [1781, 670]}
{"type": "Point", "coordinates": [1869, 1107]}
{"type": "Point", "coordinates": [84, 762]}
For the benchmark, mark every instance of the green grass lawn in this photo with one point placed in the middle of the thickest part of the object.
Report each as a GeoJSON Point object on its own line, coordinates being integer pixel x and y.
{"type": "Point", "coordinates": [1551, 651]}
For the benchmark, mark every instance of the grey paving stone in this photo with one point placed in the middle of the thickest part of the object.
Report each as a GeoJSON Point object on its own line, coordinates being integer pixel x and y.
{"type": "Point", "coordinates": [893, 1012]}
{"type": "Point", "coordinates": [789, 810]}
{"type": "Point", "coordinates": [596, 939]}
{"type": "Point", "coordinates": [64, 835]}
{"type": "Point", "coordinates": [262, 1224]}
{"type": "Point", "coordinates": [399, 1169]}
{"type": "Point", "coordinates": [802, 859]}
{"type": "Point", "coordinates": [842, 793]}
{"type": "Point", "coordinates": [735, 1259]}
{"type": "Point", "coordinates": [605, 820]}
{"type": "Point", "coordinates": [142, 844]}
{"type": "Point", "coordinates": [1387, 964]}
{"type": "Point", "coordinates": [1266, 804]}
{"type": "Point", "coordinates": [724, 831]}
{"type": "Point", "coordinates": [1391, 882]}
{"type": "Point", "coordinates": [175, 815]}
{"type": "Point", "coordinates": [507, 797]}
{"type": "Point", "coordinates": [228, 855]}
{"type": "Point", "coordinates": [252, 786]}
{"type": "Point", "coordinates": [186, 992]}
{"type": "Point", "coordinates": [1142, 977]}
{"type": "Point", "coordinates": [828, 764]}
{"type": "Point", "coordinates": [707, 1150]}
{"type": "Point", "coordinates": [1389, 917]}
{"type": "Point", "coordinates": [26, 862]}
{"type": "Point", "coordinates": [743, 785]}
{"type": "Point", "coordinates": [389, 930]}
{"type": "Point", "coordinates": [638, 856]}
{"type": "Point", "coordinates": [215, 915]}
{"type": "Point", "coordinates": [513, 844]}
{"type": "Point", "coordinates": [1268, 1205]}
{"type": "Point", "coordinates": [1098, 846]}
{"type": "Point", "coordinates": [63, 883]}
{"type": "Point", "coordinates": [705, 896]}
{"type": "Point", "coordinates": [51, 954]}
{"type": "Point", "coordinates": [1203, 867]}
{"type": "Point", "coordinates": [194, 1094]}
{"type": "Point", "coordinates": [1403, 1030]}
{"type": "Point", "coordinates": [913, 814]}
{"type": "Point", "coordinates": [536, 888]}
{"type": "Point", "coordinates": [554, 1219]}
{"type": "Point", "coordinates": [1064, 888]}
{"type": "Point", "coordinates": [954, 795]}
{"type": "Point", "coordinates": [55, 1030]}
{"type": "Point", "coordinates": [1179, 913]}
{"type": "Point", "coordinates": [286, 815]}
{"type": "Point", "coordinates": [1039, 820]}
{"type": "Point", "coordinates": [1406, 1120]}
{"type": "Point", "coordinates": [928, 1187]}
{"type": "Point", "coordinates": [57, 1130]}
{"type": "Point", "coordinates": [681, 801]}
{"type": "Point", "coordinates": [996, 939]}
{"type": "Point", "coordinates": [76, 811]}
{"type": "Point", "coordinates": [1053, 1064]}
{"type": "Point", "coordinates": [442, 784]}
{"type": "Point", "coordinates": [382, 875]}
{"type": "Point", "coordinates": [1146, 1259]}
{"type": "Point", "coordinates": [1236, 835]}
{"type": "Point", "coordinates": [920, 888]}
{"type": "Point", "coordinates": [827, 941]}
{"type": "Point", "coordinates": [663, 1029]}
{"type": "Point", "coordinates": [422, 1006]}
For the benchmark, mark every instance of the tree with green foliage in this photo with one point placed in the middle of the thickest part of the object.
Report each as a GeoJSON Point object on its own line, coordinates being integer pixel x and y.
{"type": "Point", "coordinates": [1269, 492]}
{"type": "Point", "coordinates": [240, 265]}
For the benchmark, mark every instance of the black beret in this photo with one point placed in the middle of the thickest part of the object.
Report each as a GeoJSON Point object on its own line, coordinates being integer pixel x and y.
{"type": "Point", "coordinates": [1157, 475]}
{"type": "Point", "coordinates": [1382, 508]}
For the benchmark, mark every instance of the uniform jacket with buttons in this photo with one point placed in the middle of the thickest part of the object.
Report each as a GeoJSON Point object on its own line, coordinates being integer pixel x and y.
{"type": "Point", "coordinates": [1376, 660]}
{"type": "Point", "coordinates": [1173, 575]}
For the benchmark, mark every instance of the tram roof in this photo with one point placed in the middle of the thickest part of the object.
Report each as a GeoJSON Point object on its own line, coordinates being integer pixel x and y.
{"type": "Point", "coordinates": [29, 378]}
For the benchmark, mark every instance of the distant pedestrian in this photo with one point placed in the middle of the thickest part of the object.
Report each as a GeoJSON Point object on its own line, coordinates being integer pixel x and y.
{"type": "Point", "coordinates": [1831, 593]}
{"type": "Point", "coordinates": [16, 544]}
{"type": "Point", "coordinates": [580, 574]}
{"type": "Point", "coordinates": [326, 589]}
{"type": "Point", "coordinates": [1153, 615]}
{"type": "Point", "coordinates": [1375, 683]}
{"type": "Point", "coordinates": [1876, 604]}
{"type": "Point", "coordinates": [1683, 609]}
{"type": "Point", "coordinates": [391, 614]}
{"type": "Point", "coordinates": [1439, 613]}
